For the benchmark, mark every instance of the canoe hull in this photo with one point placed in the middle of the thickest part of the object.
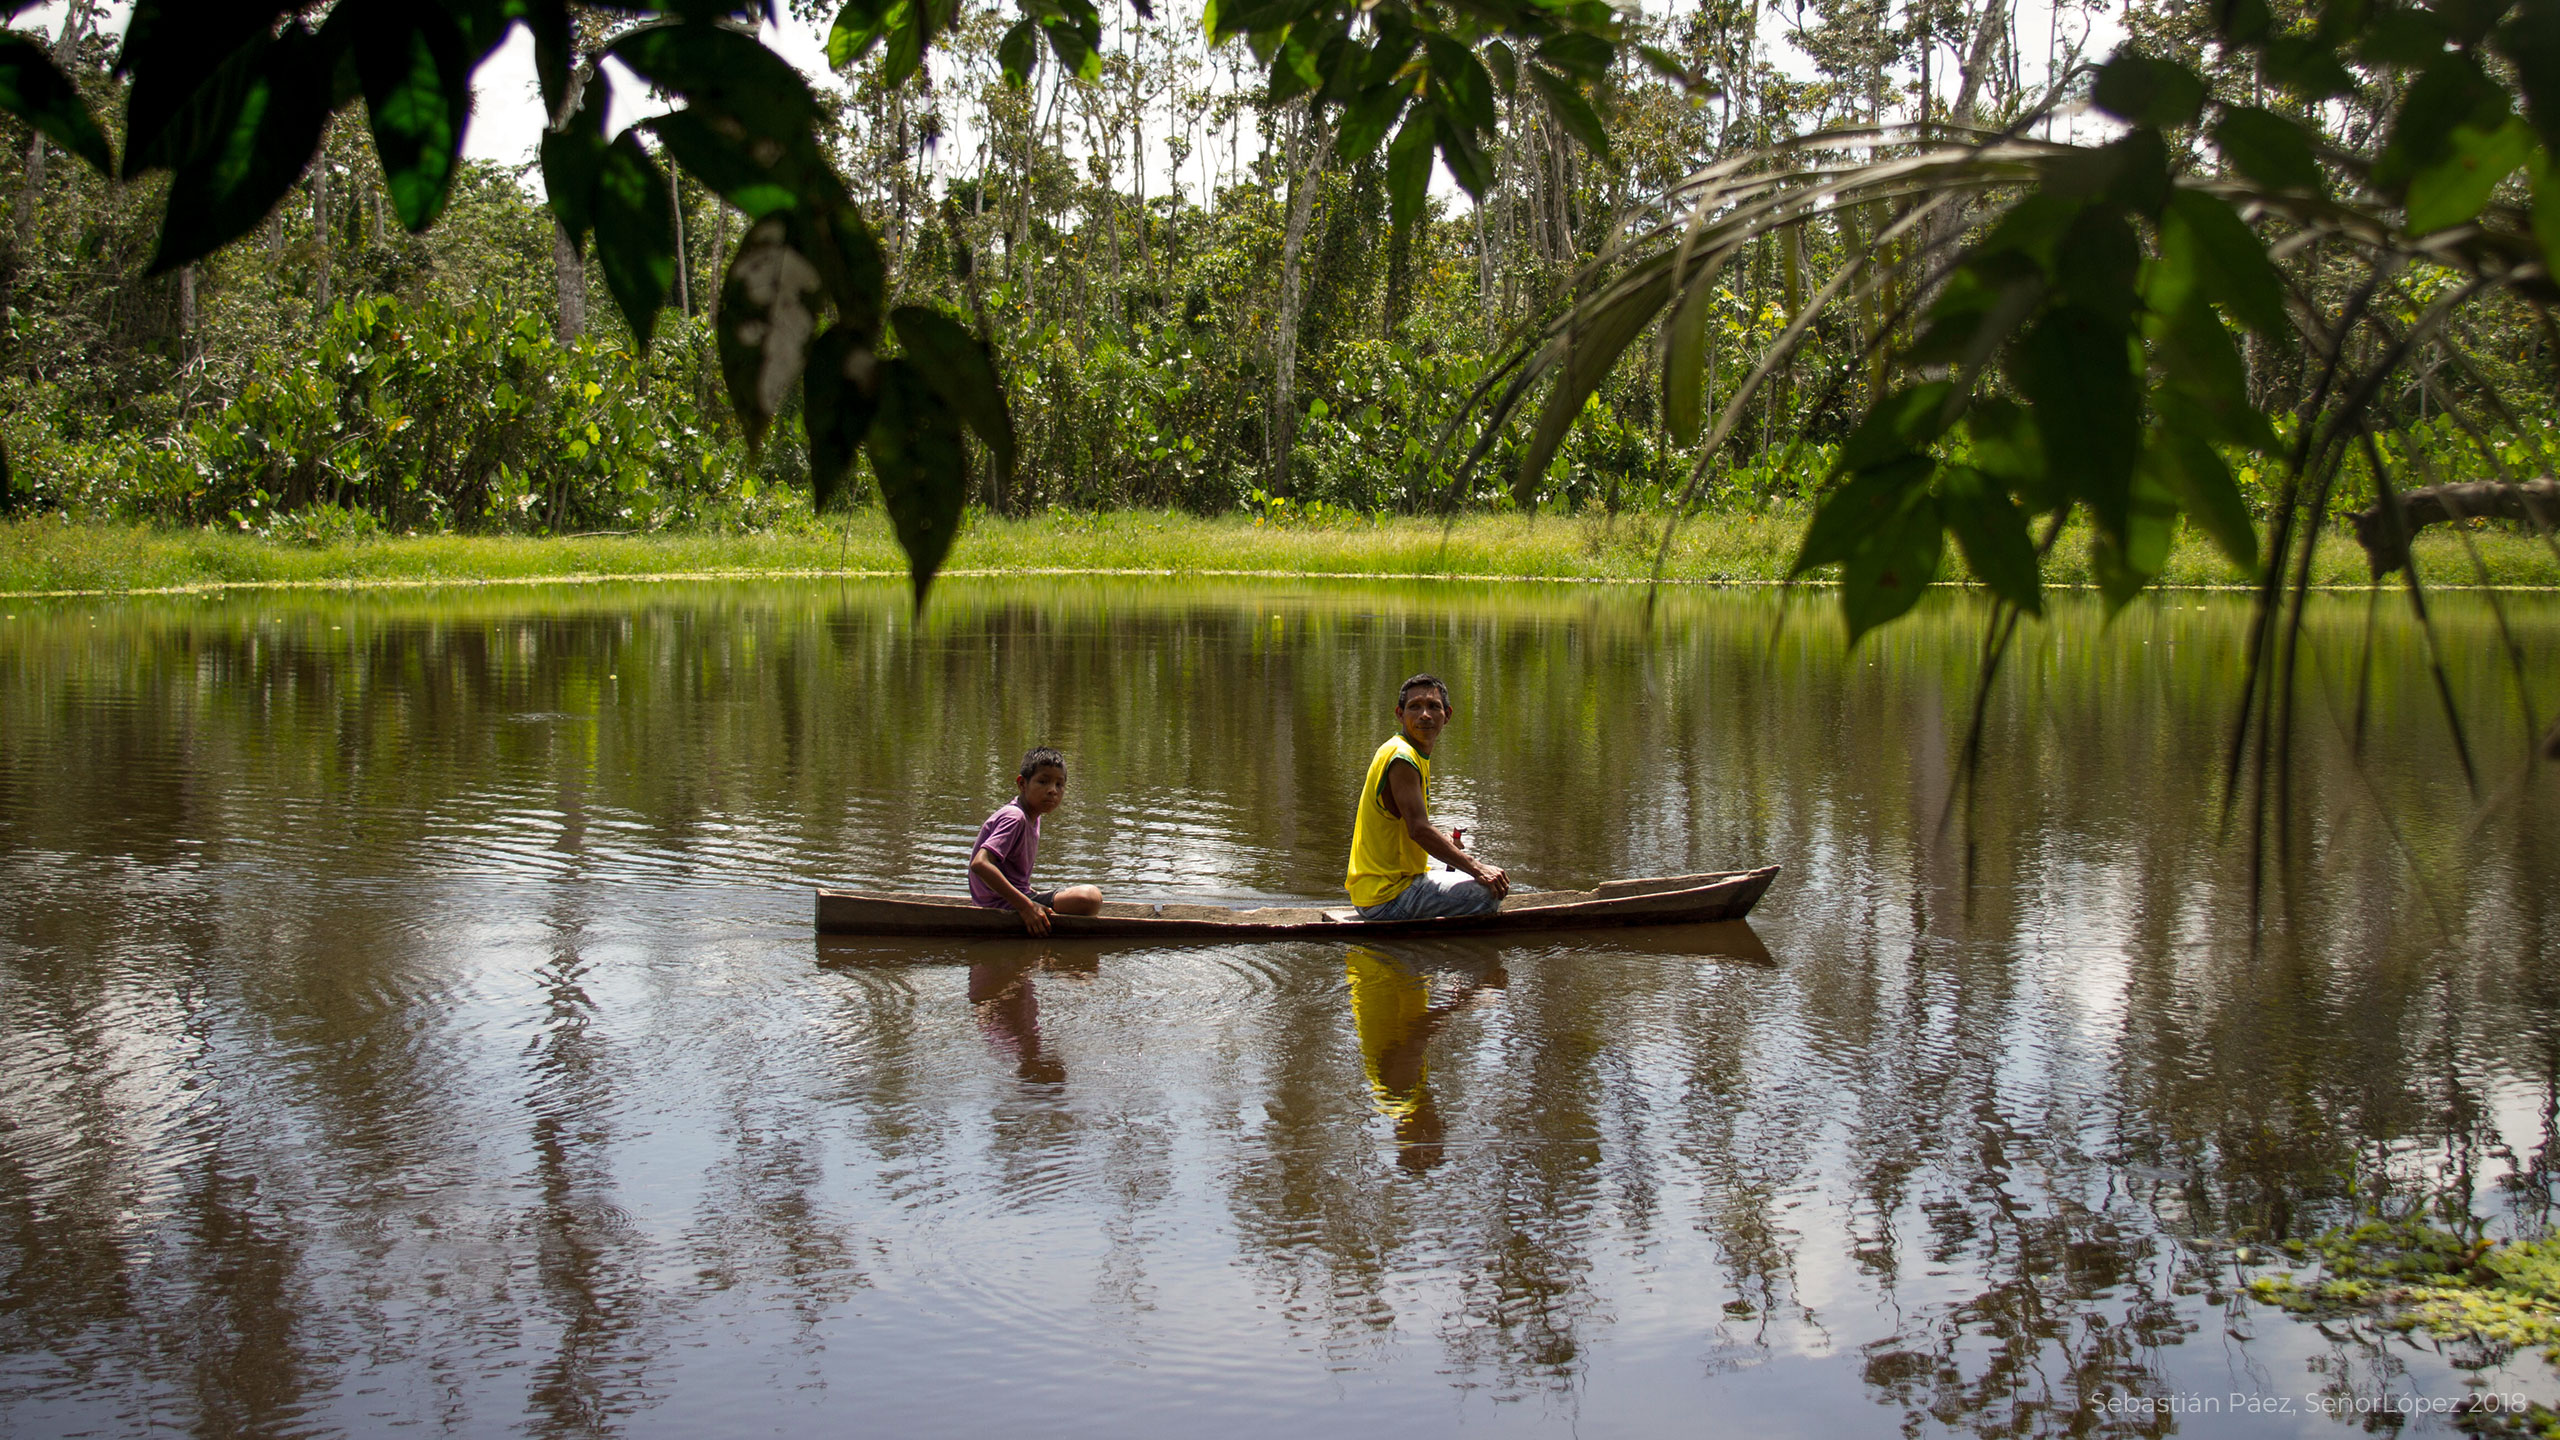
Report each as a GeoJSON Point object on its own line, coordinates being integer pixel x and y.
{"type": "Point", "coordinates": [1662, 900]}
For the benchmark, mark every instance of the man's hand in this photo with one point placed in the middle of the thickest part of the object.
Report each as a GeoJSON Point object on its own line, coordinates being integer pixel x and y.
{"type": "Point", "coordinates": [1492, 878]}
{"type": "Point", "coordinates": [1035, 916]}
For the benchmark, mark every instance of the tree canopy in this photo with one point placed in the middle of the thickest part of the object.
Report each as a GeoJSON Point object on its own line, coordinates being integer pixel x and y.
{"type": "Point", "coordinates": [232, 98]}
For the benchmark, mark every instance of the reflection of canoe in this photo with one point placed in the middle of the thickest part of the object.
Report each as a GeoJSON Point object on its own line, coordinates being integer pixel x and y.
{"type": "Point", "coordinates": [1667, 900]}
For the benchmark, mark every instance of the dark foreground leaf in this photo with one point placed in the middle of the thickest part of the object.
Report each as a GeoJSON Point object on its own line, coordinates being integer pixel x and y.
{"type": "Point", "coordinates": [2125, 561]}
{"type": "Point", "coordinates": [1993, 534]}
{"type": "Point", "coordinates": [2269, 149]}
{"type": "Point", "coordinates": [923, 470]}
{"type": "Point", "coordinates": [723, 72]}
{"type": "Point", "coordinates": [417, 93]}
{"type": "Point", "coordinates": [838, 401]}
{"type": "Point", "coordinates": [1848, 515]}
{"type": "Point", "coordinates": [257, 147]}
{"type": "Point", "coordinates": [963, 374]}
{"type": "Point", "coordinates": [635, 233]}
{"type": "Point", "coordinates": [572, 158]}
{"type": "Point", "coordinates": [757, 177]}
{"type": "Point", "coordinates": [767, 316]}
{"type": "Point", "coordinates": [1889, 571]}
{"type": "Point", "coordinates": [36, 92]}
{"type": "Point", "coordinates": [2144, 91]}
{"type": "Point", "coordinates": [2455, 188]}
{"type": "Point", "coordinates": [2195, 473]}
{"type": "Point", "coordinates": [190, 62]}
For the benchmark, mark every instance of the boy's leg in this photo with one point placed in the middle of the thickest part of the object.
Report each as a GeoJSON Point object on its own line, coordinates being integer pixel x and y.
{"type": "Point", "coordinates": [1079, 900]}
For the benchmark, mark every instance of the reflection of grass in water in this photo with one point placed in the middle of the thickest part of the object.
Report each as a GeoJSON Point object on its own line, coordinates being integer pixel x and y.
{"type": "Point", "coordinates": [2501, 1296]}
{"type": "Point", "coordinates": [47, 554]}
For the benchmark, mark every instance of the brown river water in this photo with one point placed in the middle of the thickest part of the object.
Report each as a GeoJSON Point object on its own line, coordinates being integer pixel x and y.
{"type": "Point", "coordinates": [410, 1018]}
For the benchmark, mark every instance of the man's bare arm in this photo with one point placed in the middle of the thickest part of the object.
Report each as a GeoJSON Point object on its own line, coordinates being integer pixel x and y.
{"type": "Point", "coordinates": [1404, 800]}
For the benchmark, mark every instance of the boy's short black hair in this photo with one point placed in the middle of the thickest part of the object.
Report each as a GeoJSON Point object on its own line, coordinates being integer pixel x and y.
{"type": "Point", "coordinates": [1039, 756]}
{"type": "Point", "coordinates": [1425, 678]}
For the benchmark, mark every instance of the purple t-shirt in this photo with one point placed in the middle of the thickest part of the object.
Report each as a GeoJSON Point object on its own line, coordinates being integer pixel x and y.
{"type": "Point", "coordinates": [1014, 837]}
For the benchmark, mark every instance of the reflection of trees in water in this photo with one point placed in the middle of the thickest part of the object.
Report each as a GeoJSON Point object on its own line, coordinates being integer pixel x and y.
{"type": "Point", "coordinates": [235, 1310]}
{"type": "Point", "coordinates": [2027, 1050]}
{"type": "Point", "coordinates": [588, 1264]}
{"type": "Point", "coordinates": [1469, 1221]}
{"type": "Point", "coordinates": [763, 1215]}
{"type": "Point", "coordinates": [2078, 1309]}
{"type": "Point", "coordinates": [1104, 1149]}
{"type": "Point", "coordinates": [1324, 1237]}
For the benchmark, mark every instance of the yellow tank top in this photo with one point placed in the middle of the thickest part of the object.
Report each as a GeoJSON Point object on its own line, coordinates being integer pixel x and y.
{"type": "Point", "coordinates": [1384, 859]}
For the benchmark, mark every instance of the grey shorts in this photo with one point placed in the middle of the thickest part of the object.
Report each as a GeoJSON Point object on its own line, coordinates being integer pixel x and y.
{"type": "Point", "coordinates": [1433, 895]}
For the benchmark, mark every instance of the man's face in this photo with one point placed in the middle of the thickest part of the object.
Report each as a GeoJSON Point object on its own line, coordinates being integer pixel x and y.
{"type": "Point", "coordinates": [1044, 789]}
{"type": "Point", "coordinates": [1423, 713]}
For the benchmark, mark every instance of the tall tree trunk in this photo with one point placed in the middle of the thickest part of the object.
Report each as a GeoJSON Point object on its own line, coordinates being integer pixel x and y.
{"type": "Point", "coordinates": [1791, 293]}
{"type": "Point", "coordinates": [1988, 28]}
{"type": "Point", "coordinates": [571, 274]}
{"type": "Point", "coordinates": [31, 194]}
{"type": "Point", "coordinates": [187, 306]}
{"type": "Point", "coordinates": [1306, 156]}
{"type": "Point", "coordinates": [901, 234]}
{"type": "Point", "coordinates": [965, 239]}
{"type": "Point", "coordinates": [75, 24]}
{"type": "Point", "coordinates": [1110, 194]}
{"type": "Point", "coordinates": [1138, 185]}
{"type": "Point", "coordinates": [568, 268]}
{"type": "Point", "coordinates": [684, 290]}
{"type": "Point", "coordinates": [1017, 240]}
{"type": "Point", "coordinates": [1399, 299]}
{"type": "Point", "coordinates": [719, 255]}
{"type": "Point", "coordinates": [1567, 250]}
{"type": "Point", "coordinates": [323, 234]}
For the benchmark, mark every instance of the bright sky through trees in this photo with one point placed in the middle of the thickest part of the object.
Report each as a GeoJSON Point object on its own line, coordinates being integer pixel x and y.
{"type": "Point", "coordinates": [507, 123]}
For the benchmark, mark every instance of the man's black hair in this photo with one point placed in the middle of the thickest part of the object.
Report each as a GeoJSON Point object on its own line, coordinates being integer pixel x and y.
{"type": "Point", "coordinates": [1426, 678]}
{"type": "Point", "coordinates": [1041, 755]}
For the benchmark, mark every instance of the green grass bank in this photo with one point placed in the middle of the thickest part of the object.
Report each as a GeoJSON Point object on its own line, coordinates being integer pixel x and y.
{"type": "Point", "coordinates": [46, 554]}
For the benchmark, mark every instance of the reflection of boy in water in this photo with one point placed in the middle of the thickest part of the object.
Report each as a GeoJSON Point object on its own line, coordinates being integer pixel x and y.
{"type": "Point", "coordinates": [1009, 1012]}
{"type": "Point", "coordinates": [1392, 1013]}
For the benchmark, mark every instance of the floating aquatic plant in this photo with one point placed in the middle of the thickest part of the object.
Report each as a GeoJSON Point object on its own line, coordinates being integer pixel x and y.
{"type": "Point", "coordinates": [2408, 1275]}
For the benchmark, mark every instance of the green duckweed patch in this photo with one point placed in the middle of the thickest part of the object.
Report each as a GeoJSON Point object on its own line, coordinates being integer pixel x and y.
{"type": "Point", "coordinates": [2501, 1296]}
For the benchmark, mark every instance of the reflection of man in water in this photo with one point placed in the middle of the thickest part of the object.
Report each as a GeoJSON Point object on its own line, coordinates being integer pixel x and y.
{"type": "Point", "coordinates": [1009, 1012]}
{"type": "Point", "coordinates": [1392, 1013]}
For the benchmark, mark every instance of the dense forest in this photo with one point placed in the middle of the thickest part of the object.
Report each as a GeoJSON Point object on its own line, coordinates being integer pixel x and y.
{"type": "Point", "coordinates": [1195, 300]}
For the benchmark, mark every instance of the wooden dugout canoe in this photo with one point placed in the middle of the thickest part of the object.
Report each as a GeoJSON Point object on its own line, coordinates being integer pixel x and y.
{"type": "Point", "coordinates": [1662, 900]}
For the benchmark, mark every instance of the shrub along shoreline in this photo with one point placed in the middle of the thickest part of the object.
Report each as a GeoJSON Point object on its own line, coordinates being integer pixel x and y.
{"type": "Point", "coordinates": [49, 556]}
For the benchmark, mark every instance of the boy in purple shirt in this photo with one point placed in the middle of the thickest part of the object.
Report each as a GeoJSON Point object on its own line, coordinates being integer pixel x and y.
{"type": "Point", "coordinates": [1000, 863]}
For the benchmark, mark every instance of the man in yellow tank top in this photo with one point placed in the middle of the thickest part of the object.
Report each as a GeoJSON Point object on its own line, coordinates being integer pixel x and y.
{"type": "Point", "coordinates": [1392, 839]}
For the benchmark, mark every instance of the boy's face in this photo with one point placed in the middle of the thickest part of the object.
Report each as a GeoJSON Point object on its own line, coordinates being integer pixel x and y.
{"type": "Point", "coordinates": [1042, 789]}
{"type": "Point", "coordinates": [1423, 712]}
